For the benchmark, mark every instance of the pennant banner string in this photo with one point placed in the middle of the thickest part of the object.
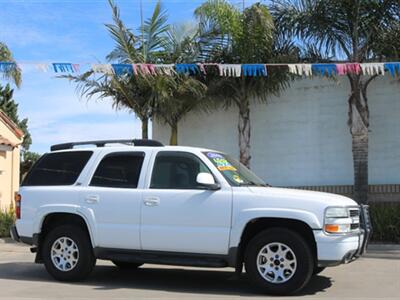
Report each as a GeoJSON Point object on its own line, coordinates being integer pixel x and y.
{"type": "Point", "coordinates": [228, 70]}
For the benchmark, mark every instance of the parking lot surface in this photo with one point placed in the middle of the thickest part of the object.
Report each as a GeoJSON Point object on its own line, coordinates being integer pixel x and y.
{"type": "Point", "coordinates": [376, 276]}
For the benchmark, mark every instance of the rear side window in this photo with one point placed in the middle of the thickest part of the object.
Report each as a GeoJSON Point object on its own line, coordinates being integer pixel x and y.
{"type": "Point", "coordinates": [61, 168]}
{"type": "Point", "coordinates": [119, 170]}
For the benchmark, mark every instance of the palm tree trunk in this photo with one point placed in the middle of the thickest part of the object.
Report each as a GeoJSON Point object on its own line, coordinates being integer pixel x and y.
{"type": "Point", "coordinates": [145, 128]}
{"type": "Point", "coordinates": [244, 128]}
{"type": "Point", "coordinates": [360, 161]}
{"type": "Point", "coordinates": [359, 124]}
{"type": "Point", "coordinates": [173, 140]}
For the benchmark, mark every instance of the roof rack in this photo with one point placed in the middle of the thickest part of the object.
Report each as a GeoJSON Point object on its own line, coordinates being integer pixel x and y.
{"type": "Point", "coordinates": [102, 143]}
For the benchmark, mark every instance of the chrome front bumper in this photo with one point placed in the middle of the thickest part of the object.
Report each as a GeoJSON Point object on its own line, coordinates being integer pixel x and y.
{"type": "Point", "coordinates": [336, 250]}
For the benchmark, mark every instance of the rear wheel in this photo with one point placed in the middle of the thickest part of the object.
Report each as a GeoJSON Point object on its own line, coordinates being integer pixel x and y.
{"type": "Point", "coordinates": [126, 265]}
{"type": "Point", "coordinates": [279, 261]}
{"type": "Point", "coordinates": [67, 253]}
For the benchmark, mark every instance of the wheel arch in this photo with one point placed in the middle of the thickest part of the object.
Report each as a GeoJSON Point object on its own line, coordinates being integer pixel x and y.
{"type": "Point", "coordinates": [52, 219]}
{"type": "Point", "coordinates": [256, 225]}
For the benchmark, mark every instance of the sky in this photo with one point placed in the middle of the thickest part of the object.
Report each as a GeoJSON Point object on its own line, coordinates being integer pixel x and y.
{"type": "Point", "coordinates": [72, 31]}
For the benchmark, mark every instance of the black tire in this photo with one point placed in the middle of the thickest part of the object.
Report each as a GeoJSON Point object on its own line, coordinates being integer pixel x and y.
{"type": "Point", "coordinates": [126, 265]}
{"type": "Point", "coordinates": [300, 248]}
{"type": "Point", "coordinates": [86, 260]}
{"type": "Point", "coordinates": [318, 270]}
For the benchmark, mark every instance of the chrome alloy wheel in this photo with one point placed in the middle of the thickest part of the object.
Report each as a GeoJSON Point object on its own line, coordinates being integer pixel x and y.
{"type": "Point", "coordinates": [276, 263]}
{"type": "Point", "coordinates": [64, 254]}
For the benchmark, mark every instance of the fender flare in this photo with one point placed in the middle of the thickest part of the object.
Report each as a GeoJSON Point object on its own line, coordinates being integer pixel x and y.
{"type": "Point", "coordinates": [248, 215]}
{"type": "Point", "coordinates": [85, 213]}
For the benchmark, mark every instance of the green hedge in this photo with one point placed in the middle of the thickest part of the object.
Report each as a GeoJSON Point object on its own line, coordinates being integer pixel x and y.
{"type": "Point", "coordinates": [386, 222]}
{"type": "Point", "coordinates": [7, 218]}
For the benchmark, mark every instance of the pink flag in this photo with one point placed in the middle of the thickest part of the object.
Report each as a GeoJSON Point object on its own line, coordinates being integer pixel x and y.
{"type": "Point", "coordinates": [348, 68]}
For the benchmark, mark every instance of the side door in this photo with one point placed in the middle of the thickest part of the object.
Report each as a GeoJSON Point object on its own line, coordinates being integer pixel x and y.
{"type": "Point", "coordinates": [178, 215]}
{"type": "Point", "coordinates": [113, 196]}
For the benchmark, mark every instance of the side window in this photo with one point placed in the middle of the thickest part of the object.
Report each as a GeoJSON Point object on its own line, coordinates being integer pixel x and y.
{"type": "Point", "coordinates": [119, 170]}
{"type": "Point", "coordinates": [176, 170]}
{"type": "Point", "coordinates": [59, 168]}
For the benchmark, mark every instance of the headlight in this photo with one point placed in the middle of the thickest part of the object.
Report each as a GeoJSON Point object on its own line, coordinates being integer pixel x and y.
{"type": "Point", "coordinates": [339, 220]}
{"type": "Point", "coordinates": [337, 212]}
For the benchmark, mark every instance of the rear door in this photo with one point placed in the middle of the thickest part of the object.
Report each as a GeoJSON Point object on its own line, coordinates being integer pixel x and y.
{"type": "Point", "coordinates": [113, 196]}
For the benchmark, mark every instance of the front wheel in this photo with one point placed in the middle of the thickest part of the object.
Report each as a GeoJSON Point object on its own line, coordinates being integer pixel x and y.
{"type": "Point", "coordinates": [279, 261]}
{"type": "Point", "coordinates": [67, 253]}
{"type": "Point", "coordinates": [318, 270]}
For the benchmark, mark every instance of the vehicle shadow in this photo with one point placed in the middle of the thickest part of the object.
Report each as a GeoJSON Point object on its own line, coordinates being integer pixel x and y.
{"type": "Point", "coordinates": [173, 279]}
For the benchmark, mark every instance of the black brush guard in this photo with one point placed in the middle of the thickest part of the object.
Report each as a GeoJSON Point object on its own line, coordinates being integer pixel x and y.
{"type": "Point", "coordinates": [366, 228]}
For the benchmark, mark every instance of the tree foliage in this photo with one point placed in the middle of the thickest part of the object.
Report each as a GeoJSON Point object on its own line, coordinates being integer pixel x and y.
{"type": "Point", "coordinates": [14, 74]}
{"type": "Point", "coordinates": [175, 96]}
{"type": "Point", "coordinates": [10, 107]}
{"type": "Point", "coordinates": [168, 96]}
{"type": "Point", "coordinates": [228, 35]}
{"type": "Point", "coordinates": [352, 31]}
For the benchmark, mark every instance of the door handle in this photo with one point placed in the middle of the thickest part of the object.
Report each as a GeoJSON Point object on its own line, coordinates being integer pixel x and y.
{"type": "Point", "coordinates": [152, 201]}
{"type": "Point", "coordinates": [92, 199]}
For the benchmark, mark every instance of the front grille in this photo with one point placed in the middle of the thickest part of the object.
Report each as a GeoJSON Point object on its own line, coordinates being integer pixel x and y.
{"type": "Point", "coordinates": [354, 213]}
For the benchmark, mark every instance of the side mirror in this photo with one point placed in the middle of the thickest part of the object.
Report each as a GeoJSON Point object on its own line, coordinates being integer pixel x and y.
{"type": "Point", "coordinates": [207, 180]}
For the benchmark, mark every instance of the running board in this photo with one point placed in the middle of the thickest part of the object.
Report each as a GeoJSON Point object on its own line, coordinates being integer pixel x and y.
{"type": "Point", "coordinates": [163, 258]}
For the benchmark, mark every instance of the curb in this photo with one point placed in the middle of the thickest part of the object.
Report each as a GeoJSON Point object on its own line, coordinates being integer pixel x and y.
{"type": "Point", "coordinates": [384, 247]}
{"type": "Point", "coordinates": [7, 240]}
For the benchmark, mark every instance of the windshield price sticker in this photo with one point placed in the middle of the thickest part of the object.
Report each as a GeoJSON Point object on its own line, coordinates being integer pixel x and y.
{"type": "Point", "coordinates": [214, 155]}
{"type": "Point", "coordinates": [237, 178]}
{"type": "Point", "coordinates": [223, 164]}
{"type": "Point", "coordinates": [226, 168]}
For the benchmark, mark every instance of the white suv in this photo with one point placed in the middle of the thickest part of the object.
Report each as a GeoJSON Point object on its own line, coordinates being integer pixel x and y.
{"type": "Point", "coordinates": [141, 202]}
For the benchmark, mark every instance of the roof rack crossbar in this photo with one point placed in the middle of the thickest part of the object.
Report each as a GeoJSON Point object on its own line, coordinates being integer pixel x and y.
{"type": "Point", "coordinates": [102, 143]}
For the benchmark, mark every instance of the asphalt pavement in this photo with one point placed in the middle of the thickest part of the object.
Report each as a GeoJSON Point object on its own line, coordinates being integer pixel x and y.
{"type": "Point", "coordinates": [376, 276]}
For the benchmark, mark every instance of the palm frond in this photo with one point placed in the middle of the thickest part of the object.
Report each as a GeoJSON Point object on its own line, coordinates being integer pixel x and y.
{"type": "Point", "coordinates": [345, 29]}
{"type": "Point", "coordinates": [177, 95]}
{"type": "Point", "coordinates": [154, 32]}
{"type": "Point", "coordinates": [125, 41]}
{"type": "Point", "coordinates": [14, 74]}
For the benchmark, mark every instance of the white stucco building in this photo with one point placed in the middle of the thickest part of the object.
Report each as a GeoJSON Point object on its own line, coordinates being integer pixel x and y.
{"type": "Point", "coordinates": [302, 139]}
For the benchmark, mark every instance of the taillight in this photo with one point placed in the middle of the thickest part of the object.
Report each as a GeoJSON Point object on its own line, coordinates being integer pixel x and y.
{"type": "Point", "coordinates": [18, 199]}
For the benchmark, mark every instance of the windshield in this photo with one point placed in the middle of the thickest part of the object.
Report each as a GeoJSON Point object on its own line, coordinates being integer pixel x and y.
{"type": "Point", "coordinates": [233, 171]}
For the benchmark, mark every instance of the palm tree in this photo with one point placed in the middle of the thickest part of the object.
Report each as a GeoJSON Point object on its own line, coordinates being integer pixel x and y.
{"type": "Point", "coordinates": [352, 30]}
{"type": "Point", "coordinates": [14, 73]}
{"type": "Point", "coordinates": [132, 92]}
{"type": "Point", "coordinates": [230, 36]}
{"type": "Point", "coordinates": [131, 48]}
{"type": "Point", "coordinates": [175, 96]}
{"type": "Point", "coordinates": [127, 92]}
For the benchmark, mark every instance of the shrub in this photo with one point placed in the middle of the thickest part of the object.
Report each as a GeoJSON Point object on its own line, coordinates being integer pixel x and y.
{"type": "Point", "coordinates": [385, 219]}
{"type": "Point", "coordinates": [7, 219]}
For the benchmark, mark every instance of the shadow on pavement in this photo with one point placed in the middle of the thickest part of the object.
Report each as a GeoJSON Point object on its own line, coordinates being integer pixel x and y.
{"type": "Point", "coordinates": [162, 279]}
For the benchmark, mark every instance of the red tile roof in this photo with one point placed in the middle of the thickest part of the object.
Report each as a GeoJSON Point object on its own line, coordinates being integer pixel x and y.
{"type": "Point", "coordinates": [11, 125]}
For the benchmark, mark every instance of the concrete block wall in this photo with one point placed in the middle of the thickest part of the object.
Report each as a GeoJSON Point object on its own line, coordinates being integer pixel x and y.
{"type": "Point", "coordinates": [301, 138]}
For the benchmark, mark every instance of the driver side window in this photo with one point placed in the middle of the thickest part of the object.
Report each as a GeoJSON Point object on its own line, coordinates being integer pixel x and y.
{"type": "Point", "coordinates": [177, 170]}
